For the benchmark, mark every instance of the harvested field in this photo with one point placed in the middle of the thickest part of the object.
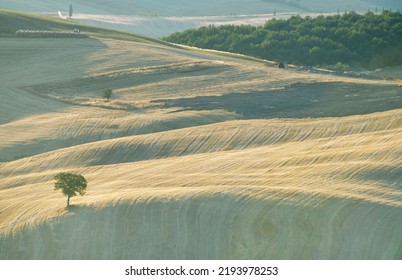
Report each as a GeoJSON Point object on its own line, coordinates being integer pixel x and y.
{"type": "Point", "coordinates": [198, 155]}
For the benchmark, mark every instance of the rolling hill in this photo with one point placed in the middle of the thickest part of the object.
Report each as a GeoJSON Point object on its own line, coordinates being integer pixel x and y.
{"type": "Point", "coordinates": [199, 154]}
{"type": "Point", "coordinates": [159, 18]}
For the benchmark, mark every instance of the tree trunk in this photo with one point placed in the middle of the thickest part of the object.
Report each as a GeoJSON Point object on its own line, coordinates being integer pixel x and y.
{"type": "Point", "coordinates": [68, 201]}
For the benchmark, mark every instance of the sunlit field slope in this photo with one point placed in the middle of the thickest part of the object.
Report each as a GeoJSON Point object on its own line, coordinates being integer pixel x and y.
{"type": "Point", "coordinates": [198, 155]}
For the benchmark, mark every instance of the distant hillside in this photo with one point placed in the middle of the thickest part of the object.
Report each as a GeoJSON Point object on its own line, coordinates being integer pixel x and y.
{"type": "Point", "coordinates": [11, 21]}
{"type": "Point", "coordinates": [196, 7]}
{"type": "Point", "coordinates": [370, 40]}
{"type": "Point", "coordinates": [159, 18]}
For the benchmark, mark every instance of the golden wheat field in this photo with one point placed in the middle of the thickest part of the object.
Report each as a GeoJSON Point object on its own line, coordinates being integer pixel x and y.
{"type": "Point", "coordinates": [198, 155]}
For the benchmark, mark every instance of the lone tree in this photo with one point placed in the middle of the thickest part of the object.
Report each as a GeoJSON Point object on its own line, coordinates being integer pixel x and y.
{"type": "Point", "coordinates": [70, 12]}
{"type": "Point", "coordinates": [107, 93]}
{"type": "Point", "coordinates": [70, 184]}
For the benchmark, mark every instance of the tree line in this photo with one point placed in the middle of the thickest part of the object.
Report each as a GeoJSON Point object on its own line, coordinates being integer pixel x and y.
{"type": "Point", "coordinates": [339, 41]}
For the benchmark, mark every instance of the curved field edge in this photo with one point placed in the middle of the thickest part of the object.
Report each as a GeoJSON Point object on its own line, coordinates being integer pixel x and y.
{"type": "Point", "coordinates": [217, 137]}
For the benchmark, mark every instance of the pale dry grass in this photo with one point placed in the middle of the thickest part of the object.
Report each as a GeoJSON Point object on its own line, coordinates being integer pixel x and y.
{"type": "Point", "coordinates": [316, 184]}
{"type": "Point", "coordinates": [303, 162]}
{"type": "Point", "coordinates": [186, 184]}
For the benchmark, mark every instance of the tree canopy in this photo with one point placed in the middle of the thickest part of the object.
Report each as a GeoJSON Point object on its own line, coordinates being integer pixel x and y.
{"type": "Point", "coordinates": [70, 184]}
{"type": "Point", "coordinates": [107, 94]}
{"type": "Point", "coordinates": [370, 40]}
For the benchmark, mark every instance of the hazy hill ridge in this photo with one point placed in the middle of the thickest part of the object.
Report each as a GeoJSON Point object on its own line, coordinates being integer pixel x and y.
{"type": "Point", "coordinates": [158, 18]}
{"type": "Point", "coordinates": [197, 8]}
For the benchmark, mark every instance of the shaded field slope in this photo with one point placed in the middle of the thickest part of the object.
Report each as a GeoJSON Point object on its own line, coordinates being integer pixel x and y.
{"type": "Point", "coordinates": [198, 155]}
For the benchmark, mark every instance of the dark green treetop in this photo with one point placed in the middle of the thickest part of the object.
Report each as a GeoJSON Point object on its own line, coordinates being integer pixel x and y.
{"type": "Point", "coordinates": [70, 184]}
